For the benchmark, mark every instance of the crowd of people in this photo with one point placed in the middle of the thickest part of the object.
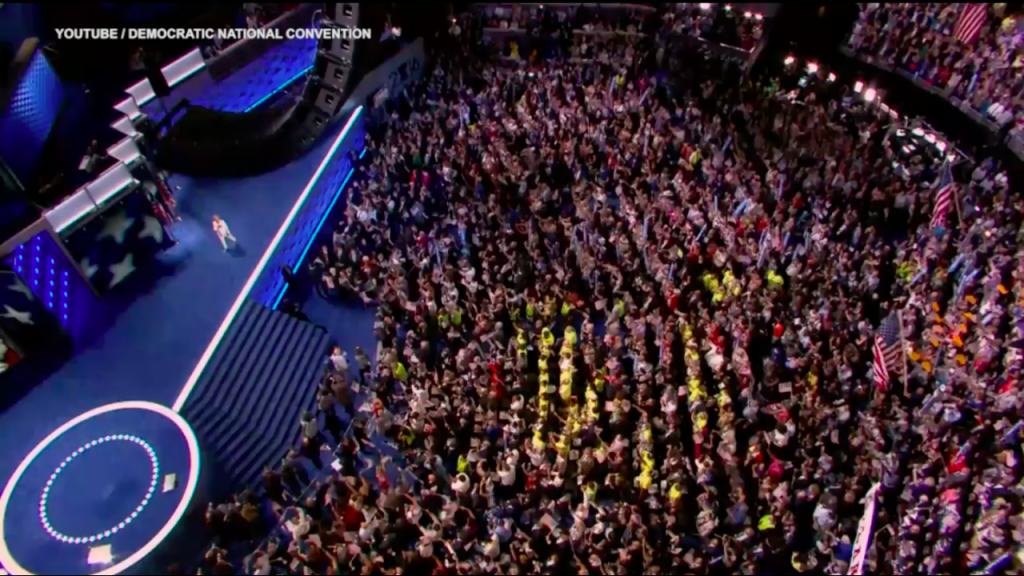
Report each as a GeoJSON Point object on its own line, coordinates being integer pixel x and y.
{"type": "Point", "coordinates": [921, 39]}
{"type": "Point", "coordinates": [717, 23]}
{"type": "Point", "coordinates": [628, 327]}
{"type": "Point", "coordinates": [530, 33]}
{"type": "Point", "coordinates": [527, 33]}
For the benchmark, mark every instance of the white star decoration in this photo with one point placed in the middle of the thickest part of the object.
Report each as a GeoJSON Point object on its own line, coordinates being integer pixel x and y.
{"type": "Point", "coordinates": [152, 229]}
{"type": "Point", "coordinates": [18, 286]}
{"type": "Point", "coordinates": [23, 317]}
{"type": "Point", "coordinates": [88, 268]}
{"type": "Point", "coordinates": [121, 270]}
{"type": "Point", "coordinates": [115, 227]}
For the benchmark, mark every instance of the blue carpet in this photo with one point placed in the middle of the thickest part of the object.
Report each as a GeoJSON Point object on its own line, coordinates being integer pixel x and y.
{"type": "Point", "coordinates": [169, 314]}
{"type": "Point", "coordinates": [350, 325]}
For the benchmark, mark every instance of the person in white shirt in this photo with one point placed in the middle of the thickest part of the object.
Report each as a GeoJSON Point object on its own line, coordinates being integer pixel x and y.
{"type": "Point", "coordinates": [507, 472]}
{"type": "Point", "coordinates": [220, 227]}
{"type": "Point", "coordinates": [339, 359]}
{"type": "Point", "coordinates": [310, 427]}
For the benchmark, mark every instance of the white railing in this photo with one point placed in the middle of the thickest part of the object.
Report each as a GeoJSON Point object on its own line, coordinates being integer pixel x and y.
{"type": "Point", "coordinates": [90, 198]}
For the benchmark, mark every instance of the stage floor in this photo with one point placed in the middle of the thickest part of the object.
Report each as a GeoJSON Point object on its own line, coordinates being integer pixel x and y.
{"type": "Point", "coordinates": [160, 325]}
{"type": "Point", "coordinates": [101, 493]}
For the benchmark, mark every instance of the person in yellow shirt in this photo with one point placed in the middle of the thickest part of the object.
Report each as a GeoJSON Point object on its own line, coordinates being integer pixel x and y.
{"type": "Point", "coordinates": [570, 336]}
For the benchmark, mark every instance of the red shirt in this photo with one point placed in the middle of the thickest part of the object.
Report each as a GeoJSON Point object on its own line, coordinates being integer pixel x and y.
{"type": "Point", "coordinates": [353, 518]}
{"type": "Point", "coordinates": [958, 464]}
{"type": "Point", "coordinates": [694, 254]}
{"type": "Point", "coordinates": [497, 384]}
{"type": "Point", "coordinates": [761, 225]}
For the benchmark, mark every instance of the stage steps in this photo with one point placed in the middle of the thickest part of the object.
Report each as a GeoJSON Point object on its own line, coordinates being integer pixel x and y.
{"type": "Point", "coordinates": [246, 406]}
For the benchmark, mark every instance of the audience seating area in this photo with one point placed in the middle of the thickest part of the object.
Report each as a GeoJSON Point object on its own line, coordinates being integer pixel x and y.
{"type": "Point", "coordinates": [628, 329]}
{"type": "Point", "coordinates": [985, 73]}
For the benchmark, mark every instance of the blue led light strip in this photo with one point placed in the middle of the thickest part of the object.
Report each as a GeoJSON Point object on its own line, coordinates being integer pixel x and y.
{"type": "Point", "coordinates": [279, 88]}
{"type": "Point", "coordinates": [295, 269]}
{"type": "Point", "coordinates": [264, 260]}
{"type": "Point", "coordinates": [363, 153]}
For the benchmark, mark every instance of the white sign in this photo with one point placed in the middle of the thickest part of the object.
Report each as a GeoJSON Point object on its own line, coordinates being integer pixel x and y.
{"type": "Point", "coordinates": [860, 545]}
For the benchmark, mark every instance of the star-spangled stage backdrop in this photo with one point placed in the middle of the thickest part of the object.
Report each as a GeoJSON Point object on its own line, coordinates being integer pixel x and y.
{"type": "Point", "coordinates": [126, 238]}
{"type": "Point", "coordinates": [24, 319]}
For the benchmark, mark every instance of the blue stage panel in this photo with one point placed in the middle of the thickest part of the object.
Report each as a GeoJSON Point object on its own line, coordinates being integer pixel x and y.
{"type": "Point", "coordinates": [46, 271]}
{"type": "Point", "coordinates": [26, 123]}
{"type": "Point", "coordinates": [250, 86]}
{"type": "Point", "coordinates": [306, 219]}
{"type": "Point", "coordinates": [127, 237]}
{"type": "Point", "coordinates": [99, 483]}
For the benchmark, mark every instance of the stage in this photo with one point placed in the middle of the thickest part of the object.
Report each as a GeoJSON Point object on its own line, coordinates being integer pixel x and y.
{"type": "Point", "coordinates": [101, 493]}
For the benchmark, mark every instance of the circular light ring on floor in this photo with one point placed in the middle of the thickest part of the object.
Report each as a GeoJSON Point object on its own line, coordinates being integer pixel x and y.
{"type": "Point", "coordinates": [8, 561]}
{"type": "Point", "coordinates": [44, 499]}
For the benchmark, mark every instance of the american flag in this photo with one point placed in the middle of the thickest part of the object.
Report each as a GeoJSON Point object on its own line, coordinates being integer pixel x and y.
{"type": "Point", "coordinates": [972, 18]}
{"type": "Point", "coordinates": [886, 351]}
{"type": "Point", "coordinates": [944, 197]}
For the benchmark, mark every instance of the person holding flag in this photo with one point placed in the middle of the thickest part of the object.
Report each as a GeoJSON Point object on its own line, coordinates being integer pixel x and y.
{"type": "Point", "coordinates": [944, 195]}
{"type": "Point", "coordinates": [887, 350]}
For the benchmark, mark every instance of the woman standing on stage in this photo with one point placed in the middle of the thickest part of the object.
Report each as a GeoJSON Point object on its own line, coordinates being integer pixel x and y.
{"type": "Point", "coordinates": [220, 227]}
